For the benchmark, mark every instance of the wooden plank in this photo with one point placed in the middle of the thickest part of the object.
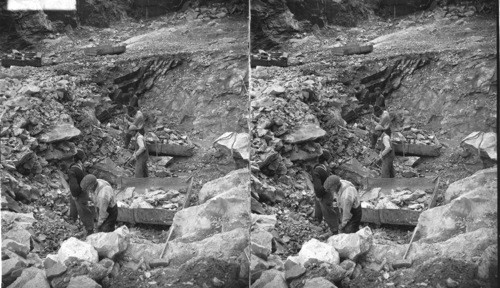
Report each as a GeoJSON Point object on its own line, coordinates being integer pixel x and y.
{"type": "Point", "coordinates": [141, 184]}
{"type": "Point", "coordinates": [386, 184]}
{"type": "Point", "coordinates": [416, 149]}
{"type": "Point", "coordinates": [159, 149]}
{"type": "Point", "coordinates": [390, 216]}
{"type": "Point", "coordinates": [146, 215]}
{"type": "Point", "coordinates": [370, 215]}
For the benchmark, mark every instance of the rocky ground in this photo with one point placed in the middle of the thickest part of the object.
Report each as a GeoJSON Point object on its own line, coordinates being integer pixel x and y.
{"type": "Point", "coordinates": [301, 110]}
{"type": "Point", "coordinates": [193, 74]}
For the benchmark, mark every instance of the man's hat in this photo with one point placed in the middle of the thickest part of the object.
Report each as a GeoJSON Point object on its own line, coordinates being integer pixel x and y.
{"type": "Point", "coordinates": [88, 181]}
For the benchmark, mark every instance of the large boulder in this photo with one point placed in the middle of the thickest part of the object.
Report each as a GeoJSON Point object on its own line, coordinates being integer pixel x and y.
{"type": "Point", "coordinates": [78, 249]}
{"type": "Point", "coordinates": [463, 247]}
{"type": "Point", "coordinates": [236, 144]}
{"type": "Point", "coordinates": [108, 170]}
{"type": "Point", "coordinates": [468, 212]}
{"type": "Point", "coordinates": [305, 133]}
{"type": "Point", "coordinates": [21, 220]}
{"type": "Point", "coordinates": [110, 244]}
{"type": "Point", "coordinates": [352, 245]}
{"type": "Point", "coordinates": [61, 132]}
{"type": "Point", "coordinates": [16, 247]}
{"type": "Point", "coordinates": [354, 171]}
{"type": "Point", "coordinates": [482, 179]}
{"type": "Point", "coordinates": [270, 279]}
{"type": "Point", "coordinates": [39, 281]}
{"type": "Point", "coordinates": [234, 180]}
{"type": "Point", "coordinates": [226, 246]}
{"type": "Point", "coordinates": [222, 213]}
{"type": "Point", "coordinates": [315, 249]}
{"type": "Point", "coordinates": [257, 267]}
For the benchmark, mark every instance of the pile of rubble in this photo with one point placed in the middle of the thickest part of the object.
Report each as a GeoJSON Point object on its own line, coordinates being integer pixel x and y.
{"type": "Point", "coordinates": [398, 199]}
{"type": "Point", "coordinates": [170, 199]}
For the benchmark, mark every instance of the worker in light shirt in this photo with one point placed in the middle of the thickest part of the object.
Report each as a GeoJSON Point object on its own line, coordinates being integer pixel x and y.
{"type": "Point", "coordinates": [348, 201]}
{"type": "Point", "coordinates": [103, 196]}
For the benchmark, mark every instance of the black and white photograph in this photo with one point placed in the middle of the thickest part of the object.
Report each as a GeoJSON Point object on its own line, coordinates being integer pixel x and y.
{"type": "Point", "coordinates": [249, 143]}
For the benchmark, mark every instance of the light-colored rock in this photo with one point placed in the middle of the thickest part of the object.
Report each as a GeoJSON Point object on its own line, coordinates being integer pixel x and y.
{"type": "Point", "coordinates": [274, 90]}
{"type": "Point", "coordinates": [257, 267]}
{"type": "Point", "coordinates": [27, 275]}
{"type": "Point", "coordinates": [29, 90]}
{"type": "Point", "coordinates": [59, 133]}
{"type": "Point", "coordinates": [261, 244]}
{"type": "Point", "coordinates": [10, 265]}
{"type": "Point", "coordinates": [222, 213]}
{"type": "Point", "coordinates": [236, 144]}
{"type": "Point", "coordinates": [294, 272]}
{"type": "Point", "coordinates": [234, 181]}
{"type": "Point", "coordinates": [488, 267]}
{"type": "Point", "coordinates": [78, 249]}
{"type": "Point", "coordinates": [21, 220]}
{"type": "Point", "coordinates": [39, 281]}
{"type": "Point", "coordinates": [54, 270]}
{"type": "Point", "coordinates": [318, 282]}
{"type": "Point", "coordinates": [269, 278]}
{"type": "Point", "coordinates": [354, 171]}
{"type": "Point", "coordinates": [19, 235]}
{"type": "Point", "coordinates": [110, 244]}
{"type": "Point", "coordinates": [263, 222]}
{"type": "Point", "coordinates": [485, 142]}
{"type": "Point", "coordinates": [16, 247]}
{"type": "Point", "coordinates": [470, 211]}
{"type": "Point", "coordinates": [315, 249]}
{"type": "Point", "coordinates": [482, 179]}
{"type": "Point", "coordinates": [305, 133]}
{"type": "Point", "coordinates": [82, 282]}
{"type": "Point", "coordinates": [352, 245]}
{"type": "Point", "coordinates": [222, 246]}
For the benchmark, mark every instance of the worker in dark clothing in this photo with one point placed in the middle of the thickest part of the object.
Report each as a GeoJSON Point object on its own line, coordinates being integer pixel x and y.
{"type": "Point", "coordinates": [78, 200]}
{"type": "Point", "coordinates": [104, 199]}
{"type": "Point", "coordinates": [135, 124]}
{"type": "Point", "coordinates": [387, 154]}
{"type": "Point", "coordinates": [141, 156]}
{"type": "Point", "coordinates": [349, 204]}
{"type": "Point", "coordinates": [323, 202]}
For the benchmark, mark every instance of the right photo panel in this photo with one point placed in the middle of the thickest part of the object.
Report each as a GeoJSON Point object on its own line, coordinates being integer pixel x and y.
{"type": "Point", "coordinates": [373, 143]}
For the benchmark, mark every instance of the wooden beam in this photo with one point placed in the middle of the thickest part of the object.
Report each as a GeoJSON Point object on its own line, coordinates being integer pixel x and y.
{"type": "Point", "coordinates": [156, 216]}
{"type": "Point", "coordinates": [390, 216]}
{"type": "Point", "coordinates": [104, 50]}
{"type": "Point", "coordinates": [405, 149]}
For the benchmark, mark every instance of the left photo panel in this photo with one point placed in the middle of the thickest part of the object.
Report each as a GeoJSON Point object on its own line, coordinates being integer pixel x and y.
{"type": "Point", "coordinates": [124, 143]}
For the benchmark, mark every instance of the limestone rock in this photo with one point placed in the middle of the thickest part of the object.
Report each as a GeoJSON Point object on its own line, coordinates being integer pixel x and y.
{"type": "Point", "coordinates": [315, 249]}
{"type": "Point", "coordinates": [39, 281]}
{"type": "Point", "coordinates": [59, 133]}
{"type": "Point", "coordinates": [263, 222]}
{"type": "Point", "coordinates": [304, 133]}
{"type": "Point", "coordinates": [83, 282]}
{"type": "Point", "coordinates": [354, 171]}
{"type": "Point", "coordinates": [318, 282]}
{"type": "Point", "coordinates": [470, 211]}
{"type": "Point", "coordinates": [108, 170]}
{"type": "Point", "coordinates": [27, 275]}
{"type": "Point", "coordinates": [16, 247]}
{"type": "Point", "coordinates": [482, 178]}
{"type": "Point", "coordinates": [9, 265]}
{"type": "Point", "coordinates": [234, 181]}
{"type": "Point", "coordinates": [294, 272]}
{"type": "Point", "coordinates": [270, 278]}
{"type": "Point", "coordinates": [222, 213]}
{"type": "Point", "coordinates": [352, 245]}
{"type": "Point", "coordinates": [261, 244]}
{"type": "Point", "coordinates": [257, 267]}
{"type": "Point", "coordinates": [54, 270]}
{"type": "Point", "coordinates": [78, 249]}
{"type": "Point", "coordinates": [488, 267]}
{"type": "Point", "coordinates": [110, 244]}
{"type": "Point", "coordinates": [19, 235]}
{"type": "Point", "coordinates": [236, 144]}
{"type": "Point", "coordinates": [274, 90]}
